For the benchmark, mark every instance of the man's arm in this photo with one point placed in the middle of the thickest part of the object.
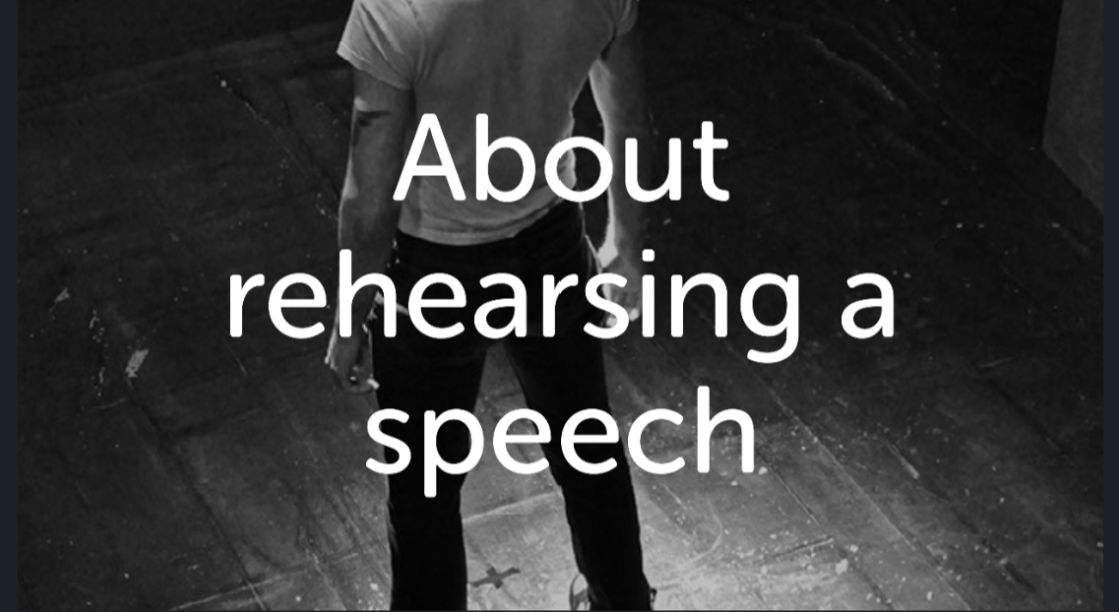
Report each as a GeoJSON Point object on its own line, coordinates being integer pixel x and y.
{"type": "Point", "coordinates": [367, 214]}
{"type": "Point", "coordinates": [618, 83]}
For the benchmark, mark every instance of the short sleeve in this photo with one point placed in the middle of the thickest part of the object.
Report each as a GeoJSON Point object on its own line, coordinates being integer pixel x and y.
{"type": "Point", "coordinates": [382, 38]}
{"type": "Point", "coordinates": [627, 17]}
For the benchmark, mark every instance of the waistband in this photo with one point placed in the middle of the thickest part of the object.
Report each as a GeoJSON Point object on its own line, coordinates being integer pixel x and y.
{"type": "Point", "coordinates": [561, 228]}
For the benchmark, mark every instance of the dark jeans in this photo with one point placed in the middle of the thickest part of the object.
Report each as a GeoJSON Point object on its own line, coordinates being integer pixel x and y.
{"type": "Point", "coordinates": [559, 376]}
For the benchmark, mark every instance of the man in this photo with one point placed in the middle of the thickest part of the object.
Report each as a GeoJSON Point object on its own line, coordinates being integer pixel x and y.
{"type": "Point", "coordinates": [523, 63]}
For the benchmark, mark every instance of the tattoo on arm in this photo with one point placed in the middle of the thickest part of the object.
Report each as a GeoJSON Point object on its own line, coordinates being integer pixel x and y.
{"type": "Point", "coordinates": [363, 119]}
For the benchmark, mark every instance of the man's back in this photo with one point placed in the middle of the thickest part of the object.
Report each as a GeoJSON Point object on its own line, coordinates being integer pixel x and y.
{"type": "Point", "coordinates": [521, 62]}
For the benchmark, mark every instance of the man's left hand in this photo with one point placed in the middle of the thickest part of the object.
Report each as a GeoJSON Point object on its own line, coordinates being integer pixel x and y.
{"type": "Point", "coordinates": [350, 364]}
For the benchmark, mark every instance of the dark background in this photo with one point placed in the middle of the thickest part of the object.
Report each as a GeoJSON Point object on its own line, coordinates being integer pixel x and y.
{"type": "Point", "coordinates": [164, 146]}
{"type": "Point", "coordinates": [999, 53]}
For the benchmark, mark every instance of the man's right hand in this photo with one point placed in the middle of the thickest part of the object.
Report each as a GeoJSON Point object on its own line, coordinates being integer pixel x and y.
{"type": "Point", "coordinates": [350, 363]}
{"type": "Point", "coordinates": [628, 264]}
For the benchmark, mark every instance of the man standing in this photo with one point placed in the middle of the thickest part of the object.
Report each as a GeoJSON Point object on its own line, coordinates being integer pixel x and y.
{"type": "Point", "coordinates": [523, 63]}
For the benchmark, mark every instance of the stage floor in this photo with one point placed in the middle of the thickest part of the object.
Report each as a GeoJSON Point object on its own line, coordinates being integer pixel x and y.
{"type": "Point", "coordinates": [957, 465]}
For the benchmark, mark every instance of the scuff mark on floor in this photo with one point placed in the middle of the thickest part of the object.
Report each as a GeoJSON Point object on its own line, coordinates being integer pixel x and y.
{"type": "Point", "coordinates": [135, 362]}
{"type": "Point", "coordinates": [61, 297]}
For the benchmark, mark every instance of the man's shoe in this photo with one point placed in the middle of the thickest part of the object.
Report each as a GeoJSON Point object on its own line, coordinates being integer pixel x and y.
{"type": "Point", "coordinates": [578, 598]}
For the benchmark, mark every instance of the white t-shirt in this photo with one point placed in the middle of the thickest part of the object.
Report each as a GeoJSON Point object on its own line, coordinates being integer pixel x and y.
{"type": "Point", "coordinates": [522, 62]}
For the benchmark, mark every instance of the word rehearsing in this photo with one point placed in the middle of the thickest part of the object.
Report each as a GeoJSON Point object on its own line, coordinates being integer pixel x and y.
{"type": "Point", "coordinates": [551, 288]}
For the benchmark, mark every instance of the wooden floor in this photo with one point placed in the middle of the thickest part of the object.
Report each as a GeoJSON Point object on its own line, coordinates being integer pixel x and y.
{"type": "Point", "coordinates": [958, 465]}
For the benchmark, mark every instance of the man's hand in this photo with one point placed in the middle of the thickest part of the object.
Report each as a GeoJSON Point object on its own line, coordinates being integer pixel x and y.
{"type": "Point", "coordinates": [351, 362]}
{"type": "Point", "coordinates": [628, 264]}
